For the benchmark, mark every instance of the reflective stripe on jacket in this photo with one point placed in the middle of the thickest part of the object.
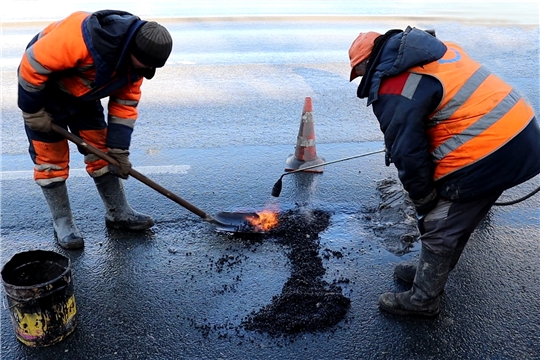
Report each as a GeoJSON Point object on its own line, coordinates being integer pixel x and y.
{"type": "Point", "coordinates": [479, 112]}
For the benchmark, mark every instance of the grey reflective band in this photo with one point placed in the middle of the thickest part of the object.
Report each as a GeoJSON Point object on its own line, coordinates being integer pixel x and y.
{"type": "Point", "coordinates": [481, 125]}
{"type": "Point", "coordinates": [36, 65]}
{"type": "Point", "coordinates": [38, 68]}
{"type": "Point", "coordinates": [470, 86]}
{"type": "Point", "coordinates": [86, 82]}
{"type": "Point", "coordinates": [45, 182]}
{"type": "Point", "coordinates": [29, 87]}
{"type": "Point", "coordinates": [84, 68]}
{"type": "Point", "coordinates": [47, 167]}
{"type": "Point", "coordinates": [411, 85]}
{"type": "Point", "coordinates": [126, 122]}
{"type": "Point", "coordinates": [61, 86]}
{"type": "Point", "coordinates": [133, 103]}
{"type": "Point", "coordinates": [40, 35]}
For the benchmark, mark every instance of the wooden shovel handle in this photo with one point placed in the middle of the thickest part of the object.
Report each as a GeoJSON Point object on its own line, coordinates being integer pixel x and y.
{"type": "Point", "coordinates": [137, 175]}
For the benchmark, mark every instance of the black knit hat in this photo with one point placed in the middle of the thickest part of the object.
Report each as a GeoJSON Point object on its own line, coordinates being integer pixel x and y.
{"type": "Point", "coordinates": [152, 45]}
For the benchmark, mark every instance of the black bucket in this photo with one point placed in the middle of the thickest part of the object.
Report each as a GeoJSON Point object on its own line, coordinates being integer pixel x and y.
{"type": "Point", "coordinates": [40, 297]}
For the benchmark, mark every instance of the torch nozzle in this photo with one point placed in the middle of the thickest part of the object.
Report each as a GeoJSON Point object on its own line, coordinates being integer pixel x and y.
{"type": "Point", "coordinates": [276, 190]}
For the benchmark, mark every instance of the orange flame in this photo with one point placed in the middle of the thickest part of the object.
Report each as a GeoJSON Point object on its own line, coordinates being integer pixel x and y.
{"type": "Point", "coordinates": [266, 220]}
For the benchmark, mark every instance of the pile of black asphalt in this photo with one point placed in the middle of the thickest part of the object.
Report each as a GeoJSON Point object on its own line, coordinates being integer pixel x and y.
{"type": "Point", "coordinates": [307, 303]}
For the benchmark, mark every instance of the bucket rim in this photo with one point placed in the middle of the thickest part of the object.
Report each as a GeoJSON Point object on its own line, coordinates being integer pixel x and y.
{"type": "Point", "coordinates": [10, 265]}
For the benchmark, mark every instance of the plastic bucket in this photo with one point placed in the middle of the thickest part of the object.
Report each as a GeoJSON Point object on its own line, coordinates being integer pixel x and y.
{"type": "Point", "coordinates": [40, 297]}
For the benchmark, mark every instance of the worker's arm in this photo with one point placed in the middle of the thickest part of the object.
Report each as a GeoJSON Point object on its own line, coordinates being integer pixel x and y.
{"type": "Point", "coordinates": [58, 48]}
{"type": "Point", "coordinates": [402, 114]}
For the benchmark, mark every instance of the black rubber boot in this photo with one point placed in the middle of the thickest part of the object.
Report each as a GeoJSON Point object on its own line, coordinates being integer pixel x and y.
{"type": "Point", "coordinates": [119, 214]}
{"type": "Point", "coordinates": [406, 270]}
{"type": "Point", "coordinates": [423, 299]}
{"type": "Point", "coordinates": [65, 231]}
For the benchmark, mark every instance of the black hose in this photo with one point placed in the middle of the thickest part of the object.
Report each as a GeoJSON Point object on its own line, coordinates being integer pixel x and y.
{"type": "Point", "coordinates": [276, 189]}
{"type": "Point", "coordinates": [517, 200]}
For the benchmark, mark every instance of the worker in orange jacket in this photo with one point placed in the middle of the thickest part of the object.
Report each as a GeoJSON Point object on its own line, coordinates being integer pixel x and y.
{"type": "Point", "coordinates": [65, 71]}
{"type": "Point", "coordinates": [458, 135]}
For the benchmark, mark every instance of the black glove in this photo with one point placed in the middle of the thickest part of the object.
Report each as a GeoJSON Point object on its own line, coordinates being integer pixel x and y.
{"type": "Point", "coordinates": [40, 121]}
{"type": "Point", "coordinates": [122, 156]}
{"type": "Point", "coordinates": [427, 203]}
{"type": "Point", "coordinates": [423, 206]}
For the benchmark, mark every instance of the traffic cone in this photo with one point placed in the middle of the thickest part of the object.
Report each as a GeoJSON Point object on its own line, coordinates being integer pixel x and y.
{"type": "Point", "coordinates": [305, 152]}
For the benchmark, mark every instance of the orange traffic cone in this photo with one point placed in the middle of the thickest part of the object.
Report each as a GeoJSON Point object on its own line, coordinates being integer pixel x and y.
{"type": "Point", "coordinates": [305, 152]}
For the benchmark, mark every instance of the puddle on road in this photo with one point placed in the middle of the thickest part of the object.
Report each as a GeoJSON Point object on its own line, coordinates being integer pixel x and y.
{"type": "Point", "coordinates": [394, 220]}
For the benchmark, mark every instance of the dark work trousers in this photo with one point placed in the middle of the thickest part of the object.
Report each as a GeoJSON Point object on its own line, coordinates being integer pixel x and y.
{"type": "Point", "coordinates": [67, 111]}
{"type": "Point", "coordinates": [450, 224]}
{"type": "Point", "coordinates": [50, 151]}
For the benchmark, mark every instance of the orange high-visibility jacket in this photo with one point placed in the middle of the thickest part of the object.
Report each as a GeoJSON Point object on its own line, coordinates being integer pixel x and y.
{"type": "Point", "coordinates": [478, 114]}
{"type": "Point", "coordinates": [87, 56]}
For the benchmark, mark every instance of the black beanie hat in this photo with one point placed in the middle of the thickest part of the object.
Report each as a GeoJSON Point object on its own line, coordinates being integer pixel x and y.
{"type": "Point", "coordinates": [152, 44]}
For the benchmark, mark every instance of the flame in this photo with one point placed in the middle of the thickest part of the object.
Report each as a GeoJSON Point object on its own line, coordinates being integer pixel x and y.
{"type": "Point", "coordinates": [267, 220]}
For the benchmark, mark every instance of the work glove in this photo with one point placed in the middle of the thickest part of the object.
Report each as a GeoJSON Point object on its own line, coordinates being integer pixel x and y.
{"type": "Point", "coordinates": [122, 156]}
{"type": "Point", "coordinates": [423, 206]}
{"type": "Point", "coordinates": [40, 121]}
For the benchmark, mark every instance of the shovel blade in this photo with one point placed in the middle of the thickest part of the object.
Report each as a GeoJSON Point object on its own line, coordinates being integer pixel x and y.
{"type": "Point", "coordinates": [236, 222]}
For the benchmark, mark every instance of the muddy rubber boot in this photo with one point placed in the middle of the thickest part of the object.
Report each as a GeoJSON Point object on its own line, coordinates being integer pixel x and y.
{"type": "Point", "coordinates": [405, 271]}
{"type": "Point", "coordinates": [423, 299]}
{"type": "Point", "coordinates": [65, 231]}
{"type": "Point", "coordinates": [119, 214]}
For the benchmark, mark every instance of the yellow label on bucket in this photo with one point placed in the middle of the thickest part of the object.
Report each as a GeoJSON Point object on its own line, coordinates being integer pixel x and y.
{"type": "Point", "coordinates": [34, 326]}
{"type": "Point", "coordinates": [70, 309]}
{"type": "Point", "coordinates": [29, 326]}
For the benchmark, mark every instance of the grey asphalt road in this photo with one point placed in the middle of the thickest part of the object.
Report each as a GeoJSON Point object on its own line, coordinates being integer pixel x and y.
{"type": "Point", "coordinates": [216, 126]}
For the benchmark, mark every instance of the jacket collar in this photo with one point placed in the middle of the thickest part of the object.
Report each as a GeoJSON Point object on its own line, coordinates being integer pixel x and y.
{"type": "Point", "coordinates": [395, 53]}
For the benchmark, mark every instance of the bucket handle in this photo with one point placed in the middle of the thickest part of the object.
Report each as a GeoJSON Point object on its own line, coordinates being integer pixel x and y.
{"type": "Point", "coordinates": [21, 301]}
{"type": "Point", "coordinates": [4, 304]}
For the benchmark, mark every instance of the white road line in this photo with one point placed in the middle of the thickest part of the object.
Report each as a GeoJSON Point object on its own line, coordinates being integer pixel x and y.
{"type": "Point", "coordinates": [146, 170]}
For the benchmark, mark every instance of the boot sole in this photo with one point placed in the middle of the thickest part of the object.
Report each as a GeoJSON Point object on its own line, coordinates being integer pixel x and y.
{"type": "Point", "coordinates": [408, 313]}
{"type": "Point", "coordinates": [121, 226]}
{"type": "Point", "coordinates": [75, 243]}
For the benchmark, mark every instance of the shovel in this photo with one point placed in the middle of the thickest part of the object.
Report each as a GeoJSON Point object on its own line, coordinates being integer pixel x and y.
{"type": "Point", "coordinates": [227, 222]}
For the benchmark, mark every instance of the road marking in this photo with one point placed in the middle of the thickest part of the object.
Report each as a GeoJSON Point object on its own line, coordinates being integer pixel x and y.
{"type": "Point", "coordinates": [147, 170]}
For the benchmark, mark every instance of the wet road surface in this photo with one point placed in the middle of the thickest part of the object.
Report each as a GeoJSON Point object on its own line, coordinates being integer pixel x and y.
{"type": "Point", "coordinates": [219, 138]}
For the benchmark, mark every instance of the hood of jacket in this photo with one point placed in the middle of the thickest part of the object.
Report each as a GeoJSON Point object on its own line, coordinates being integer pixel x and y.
{"type": "Point", "coordinates": [402, 51]}
{"type": "Point", "coordinates": [108, 35]}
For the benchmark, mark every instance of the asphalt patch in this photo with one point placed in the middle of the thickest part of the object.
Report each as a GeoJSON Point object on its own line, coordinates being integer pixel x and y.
{"type": "Point", "coordinates": [307, 303]}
